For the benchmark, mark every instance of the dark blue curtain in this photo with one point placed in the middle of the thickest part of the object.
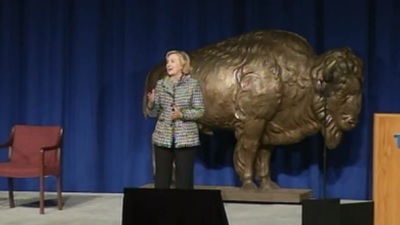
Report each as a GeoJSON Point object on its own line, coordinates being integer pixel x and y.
{"type": "Point", "coordinates": [82, 64]}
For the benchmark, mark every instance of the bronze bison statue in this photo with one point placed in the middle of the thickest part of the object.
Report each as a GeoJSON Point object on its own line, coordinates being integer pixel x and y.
{"type": "Point", "coordinates": [271, 88]}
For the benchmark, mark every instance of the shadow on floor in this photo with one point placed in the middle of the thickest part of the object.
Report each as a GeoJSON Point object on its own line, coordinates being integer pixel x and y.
{"type": "Point", "coordinates": [50, 201]}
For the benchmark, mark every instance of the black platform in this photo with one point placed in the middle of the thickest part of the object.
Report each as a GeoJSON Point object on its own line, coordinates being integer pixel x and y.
{"type": "Point", "coordinates": [147, 206]}
{"type": "Point", "coordinates": [332, 212]}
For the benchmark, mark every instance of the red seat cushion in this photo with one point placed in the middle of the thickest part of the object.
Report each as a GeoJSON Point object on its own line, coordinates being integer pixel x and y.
{"type": "Point", "coordinates": [25, 158]}
{"type": "Point", "coordinates": [11, 169]}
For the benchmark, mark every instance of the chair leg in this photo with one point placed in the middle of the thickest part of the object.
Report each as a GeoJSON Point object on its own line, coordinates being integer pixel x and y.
{"type": "Point", "coordinates": [41, 195]}
{"type": "Point", "coordinates": [11, 192]}
{"type": "Point", "coordinates": [59, 193]}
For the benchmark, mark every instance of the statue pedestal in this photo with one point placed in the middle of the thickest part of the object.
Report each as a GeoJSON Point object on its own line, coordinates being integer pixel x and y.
{"type": "Point", "coordinates": [236, 194]}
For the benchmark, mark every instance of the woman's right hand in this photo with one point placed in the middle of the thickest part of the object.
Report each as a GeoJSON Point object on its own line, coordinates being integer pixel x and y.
{"type": "Point", "coordinates": [150, 96]}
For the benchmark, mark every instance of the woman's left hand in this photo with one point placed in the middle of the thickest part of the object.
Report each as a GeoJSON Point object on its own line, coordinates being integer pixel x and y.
{"type": "Point", "coordinates": [176, 113]}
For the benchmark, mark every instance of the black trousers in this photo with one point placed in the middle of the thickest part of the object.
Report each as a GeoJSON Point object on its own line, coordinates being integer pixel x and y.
{"type": "Point", "coordinates": [184, 166]}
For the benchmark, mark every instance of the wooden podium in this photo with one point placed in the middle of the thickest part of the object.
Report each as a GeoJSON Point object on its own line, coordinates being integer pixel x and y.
{"type": "Point", "coordinates": [386, 169]}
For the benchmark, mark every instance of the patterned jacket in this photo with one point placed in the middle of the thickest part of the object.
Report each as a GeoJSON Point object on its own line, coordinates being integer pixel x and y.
{"type": "Point", "coordinates": [187, 96]}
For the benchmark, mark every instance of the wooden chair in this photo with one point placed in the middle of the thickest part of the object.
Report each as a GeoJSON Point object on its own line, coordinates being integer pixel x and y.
{"type": "Point", "coordinates": [34, 152]}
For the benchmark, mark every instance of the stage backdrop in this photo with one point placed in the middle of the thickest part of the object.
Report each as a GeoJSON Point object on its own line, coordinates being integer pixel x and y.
{"type": "Point", "coordinates": [82, 64]}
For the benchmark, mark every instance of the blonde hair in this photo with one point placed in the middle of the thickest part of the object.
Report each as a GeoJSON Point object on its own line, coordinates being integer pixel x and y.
{"type": "Point", "coordinates": [184, 59]}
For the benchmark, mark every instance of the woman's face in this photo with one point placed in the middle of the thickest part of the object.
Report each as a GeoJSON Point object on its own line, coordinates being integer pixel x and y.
{"type": "Point", "coordinates": [174, 66]}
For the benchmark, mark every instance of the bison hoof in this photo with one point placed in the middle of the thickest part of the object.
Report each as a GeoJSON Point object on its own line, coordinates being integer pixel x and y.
{"type": "Point", "coordinates": [249, 186]}
{"type": "Point", "coordinates": [268, 185]}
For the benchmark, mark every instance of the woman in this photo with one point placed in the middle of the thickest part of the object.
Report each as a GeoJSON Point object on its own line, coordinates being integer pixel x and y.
{"type": "Point", "coordinates": [177, 101]}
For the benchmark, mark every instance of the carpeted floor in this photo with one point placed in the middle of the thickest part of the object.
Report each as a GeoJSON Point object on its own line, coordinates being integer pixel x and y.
{"type": "Point", "coordinates": [99, 209]}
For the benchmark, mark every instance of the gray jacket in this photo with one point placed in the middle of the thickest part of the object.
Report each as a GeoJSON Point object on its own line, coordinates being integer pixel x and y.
{"type": "Point", "coordinates": [188, 97]}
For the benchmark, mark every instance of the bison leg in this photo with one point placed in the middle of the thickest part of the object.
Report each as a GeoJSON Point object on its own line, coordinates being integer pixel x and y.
{"type": "Point", "coordinates": [248, 141]}
{"type": "Point", "coordinates": [263, 169]}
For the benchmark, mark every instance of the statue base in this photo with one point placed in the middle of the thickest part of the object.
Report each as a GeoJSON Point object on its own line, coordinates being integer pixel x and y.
{"type": "Point", "coordinates": [236, 194]}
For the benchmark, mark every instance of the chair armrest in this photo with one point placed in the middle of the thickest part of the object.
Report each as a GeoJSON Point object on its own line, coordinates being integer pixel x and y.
{"type": "Point", "coordinates": [46, 149]}
{"type": "Point", "coordinates": [49, 148]}
{"type": "Point", "coordinates": [7, 144]}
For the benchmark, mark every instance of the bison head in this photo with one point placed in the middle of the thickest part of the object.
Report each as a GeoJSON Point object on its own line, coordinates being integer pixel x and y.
{"type": "Point", "coordinates": [339, 80]}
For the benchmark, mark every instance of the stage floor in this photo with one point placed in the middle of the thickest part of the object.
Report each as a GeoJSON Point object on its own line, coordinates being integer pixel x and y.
{"type": "Point", "coordinates": [88, 208]}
